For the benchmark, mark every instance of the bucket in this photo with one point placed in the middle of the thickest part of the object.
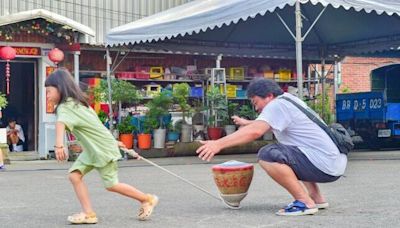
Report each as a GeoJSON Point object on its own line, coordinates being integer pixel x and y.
{"type": "Point", "coordinates": [144, 141]}
{"type": "Point", "coordinates": [229, 129]}
{"type": "Point", "coordinates": [198, 132]}
{"type": "Point", "coordinates": [186, 134]}
{"type": "Point", "coordinates": [159, 138]}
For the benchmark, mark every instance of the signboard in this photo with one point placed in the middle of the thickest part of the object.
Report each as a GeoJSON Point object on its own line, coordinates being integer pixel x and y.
{"type": "Point", "coordinates": [49, 105]}
{"type": "Point", "coordinates": [31, 51]}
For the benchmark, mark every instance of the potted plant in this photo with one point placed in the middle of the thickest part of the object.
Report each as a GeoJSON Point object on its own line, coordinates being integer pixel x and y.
{"type": "Point", "coordinates": [217, 106]}
{"type": "Point", "coordinates": [122, 92]}
{"type": "Point", "coordinates": [126, 129]}
{"type": "Point", "coordinates": [180, 94]}
{"type": "Point", "coordinates": [144, 136]}
{"type": "Point", "coordinates": [229, 126]}
{"type": "Point", "coordinates": [4, 147]}
{"type": "Point", "coordinates": [3, 101]}
{"type": "Point", "coordinates": [158, 109]}
{"type": "Point", "coordinates": [247, 112]}
{"type": "Point", "coordinates": [198, 121]}
{"type": "Point", "coordinates": [173, 133]}
{"type": "Point", "coordinates": [103, 117]}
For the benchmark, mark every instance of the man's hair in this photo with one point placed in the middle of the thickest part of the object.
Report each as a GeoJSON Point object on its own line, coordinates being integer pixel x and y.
{"type": "Point", "coordinates": [262, 87]}
{"type": "Point", "coordinates": [11, 119]}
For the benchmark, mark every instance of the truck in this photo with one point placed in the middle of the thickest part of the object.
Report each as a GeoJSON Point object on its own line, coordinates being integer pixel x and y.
{"type": "Point", "coordinates": [373, 118]}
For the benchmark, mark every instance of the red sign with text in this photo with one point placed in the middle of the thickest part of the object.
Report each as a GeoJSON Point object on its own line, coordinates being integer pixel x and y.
{"type": "Point", "coordinates": [50, 105]}
{"type": "Point", "coordinates": [32, 51]}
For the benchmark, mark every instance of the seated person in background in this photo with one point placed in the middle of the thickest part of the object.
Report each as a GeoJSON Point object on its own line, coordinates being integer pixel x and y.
{"type": "Point", "coordinates": [15, 136]}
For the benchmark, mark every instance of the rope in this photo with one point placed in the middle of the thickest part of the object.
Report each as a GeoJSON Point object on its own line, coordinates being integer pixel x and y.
{"type": "Point", "coordinates": [136, 155]}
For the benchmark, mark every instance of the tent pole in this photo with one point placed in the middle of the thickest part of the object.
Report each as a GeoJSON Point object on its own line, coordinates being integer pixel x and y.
{"type": "Point", "coordinates": [335, 87]}
{"type": "Point", "coordinates": [218, 61]}
{"type": "Point", "coordinates": [299, 57]}
{"type": "Point", "coordinates": [76, 61]}
{"type": "Point", "coordinates": [323, 77]}
{"type": "Point", "coordinates": [111, 113]}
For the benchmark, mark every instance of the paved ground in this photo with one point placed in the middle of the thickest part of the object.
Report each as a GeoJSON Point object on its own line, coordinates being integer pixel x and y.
{"type": "Point", "coordinates": [37, 194]}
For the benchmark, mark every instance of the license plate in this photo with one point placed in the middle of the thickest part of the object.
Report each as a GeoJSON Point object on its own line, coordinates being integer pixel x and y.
{"type": "Point", "coordinates": [384, 133]}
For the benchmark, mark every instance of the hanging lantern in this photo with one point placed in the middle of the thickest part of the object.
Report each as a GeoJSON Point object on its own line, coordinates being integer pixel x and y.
{"type": "Point", "coordinates": [8, 53]}
{"type": "Point", "coordinates": [56, 55]}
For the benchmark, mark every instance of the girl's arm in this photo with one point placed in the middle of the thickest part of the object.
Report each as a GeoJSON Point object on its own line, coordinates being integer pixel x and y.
{"type": "Point", "coordinates": [59, 147]}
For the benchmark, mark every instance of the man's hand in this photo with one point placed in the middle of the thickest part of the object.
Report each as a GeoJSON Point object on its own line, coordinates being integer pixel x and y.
{"type": "Point", "coordinates": [208, 150]}
{"type": "Point", "coordinates": [240, 121]}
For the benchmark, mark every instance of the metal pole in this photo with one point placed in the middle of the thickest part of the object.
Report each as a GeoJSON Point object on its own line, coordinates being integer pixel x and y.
{"type": "Point", "coordinates": [111, 113]}
{"type": "Point", "coordinates": [299, 57]}
{"type": "Point", "coordinates": [76, 62]}
{"type": "Point", "coordinates": [323, 75]}
{"type": "Point", "coordinates": [335, 87]}
{"type": "Point", "coordinates": [218, 61]}
{"type": "Point", "coordinates": [76, 66]}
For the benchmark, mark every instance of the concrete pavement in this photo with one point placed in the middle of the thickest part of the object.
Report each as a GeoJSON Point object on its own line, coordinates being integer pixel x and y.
{"type": "Point", "coordinates": [38, 194]}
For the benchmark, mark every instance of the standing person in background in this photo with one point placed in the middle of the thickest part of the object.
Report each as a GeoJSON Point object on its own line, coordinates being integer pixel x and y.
{"type": "Point", "coordinates": [100, 149]}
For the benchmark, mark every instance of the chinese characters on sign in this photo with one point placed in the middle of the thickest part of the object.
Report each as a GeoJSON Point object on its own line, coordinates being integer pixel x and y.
{"type": "Point", "coordinates": [49, 105]}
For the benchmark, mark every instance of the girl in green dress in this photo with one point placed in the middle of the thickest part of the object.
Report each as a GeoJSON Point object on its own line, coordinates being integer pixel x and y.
{"type": "Point", "coordinates": [100, 149]}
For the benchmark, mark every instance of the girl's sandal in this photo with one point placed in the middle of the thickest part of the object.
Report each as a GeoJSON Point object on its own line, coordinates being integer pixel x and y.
{"type": "Point", "coordinates": [147, 207]}
{"type": "Point", "coordinates": [83, 218]}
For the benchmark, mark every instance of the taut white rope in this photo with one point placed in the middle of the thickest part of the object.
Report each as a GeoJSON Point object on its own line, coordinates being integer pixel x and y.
{"type": "Point", "coordinates": [136, 155]}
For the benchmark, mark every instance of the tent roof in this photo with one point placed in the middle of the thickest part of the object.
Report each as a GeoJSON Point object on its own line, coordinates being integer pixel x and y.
{"type": "Point", "coordinates": [252, 28]}
{"type": "Point", "coordinates": [47, 15]}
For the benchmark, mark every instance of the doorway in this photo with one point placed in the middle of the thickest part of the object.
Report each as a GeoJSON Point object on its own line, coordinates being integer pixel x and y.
{"type": "Point", "coordinates": [22, 99]}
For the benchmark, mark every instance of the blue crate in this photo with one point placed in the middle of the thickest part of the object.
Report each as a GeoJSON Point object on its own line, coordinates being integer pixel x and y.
{"type": "Point", "coordinates": [240, 93]}
{"type": "Point", "coordinates": [196, 92]}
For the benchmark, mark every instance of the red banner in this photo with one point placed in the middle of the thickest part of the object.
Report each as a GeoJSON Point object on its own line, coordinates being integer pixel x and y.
{"type": "Point", "coordinates": [32, 51]}
{"type": "Point", "coordinates": [49, 105]}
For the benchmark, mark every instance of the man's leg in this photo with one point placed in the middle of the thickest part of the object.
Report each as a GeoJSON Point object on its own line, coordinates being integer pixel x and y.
{"type": "Point", "coordinates": [314, 192]}
{"type": "Point", "coordinates": [285, 176]}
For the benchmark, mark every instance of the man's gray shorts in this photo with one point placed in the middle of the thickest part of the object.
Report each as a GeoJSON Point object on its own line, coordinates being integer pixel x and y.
{"type": "Point", "coordinates": [294, 158]}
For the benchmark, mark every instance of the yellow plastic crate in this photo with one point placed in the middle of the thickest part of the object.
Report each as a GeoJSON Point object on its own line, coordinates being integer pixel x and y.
{"type": "Point", "coordinates": [285, 75]}
{"type": "Point", "coordinates": [152, 90]}
{"type": "Point", "coordinates": [268, 74]}
{"type": "Point", "coordinates": [230, 90]}
{"type": "Point", "coordinates": [156, 72]}
{"type": "Point", "coordinates": [236, 73]}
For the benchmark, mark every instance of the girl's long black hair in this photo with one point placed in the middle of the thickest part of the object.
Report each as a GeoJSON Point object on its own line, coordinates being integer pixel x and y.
{"type": "Point", "coordinates": [65, 84]}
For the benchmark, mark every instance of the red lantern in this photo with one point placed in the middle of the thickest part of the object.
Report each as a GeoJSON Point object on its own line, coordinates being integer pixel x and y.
{"type": "Point", "coordinates": [7, 53]}
{"type": "Point", "coordinates": [56, 55]}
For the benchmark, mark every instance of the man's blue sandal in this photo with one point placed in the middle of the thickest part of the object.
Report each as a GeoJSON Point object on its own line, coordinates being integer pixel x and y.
{"type": "Point", "coordinates": [297, 208]}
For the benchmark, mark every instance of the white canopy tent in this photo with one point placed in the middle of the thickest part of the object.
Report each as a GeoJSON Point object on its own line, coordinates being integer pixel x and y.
{"type": "Point", "coordinates": [317, 29]}
{"type": "Point", "coordinates": [267, 28]}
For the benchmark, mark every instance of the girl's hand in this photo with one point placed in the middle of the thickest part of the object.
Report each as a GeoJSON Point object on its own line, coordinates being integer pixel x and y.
{"type": "Point", "coordinates": [121, 144]}
{"type": "Point", "coordinates": [61, 155]}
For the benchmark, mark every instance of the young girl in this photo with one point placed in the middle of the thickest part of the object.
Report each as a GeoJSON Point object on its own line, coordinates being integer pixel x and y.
{"type": "Point", "coordinates": [100, 149]}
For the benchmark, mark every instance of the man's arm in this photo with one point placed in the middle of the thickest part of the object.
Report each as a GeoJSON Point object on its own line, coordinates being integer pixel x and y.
{"type": "Point", "coordinates": [248, 133]}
